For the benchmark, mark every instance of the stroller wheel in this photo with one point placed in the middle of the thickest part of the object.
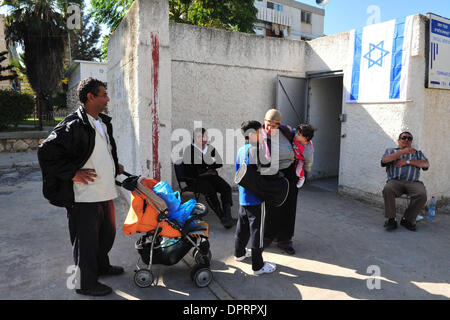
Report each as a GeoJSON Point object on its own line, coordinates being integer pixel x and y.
{"type": "Point", "coordinates": [200, 259]}
{"type": "Point", "coordinates": [201, 276]}
{"type": "Point", "coordinates": [143, 278]}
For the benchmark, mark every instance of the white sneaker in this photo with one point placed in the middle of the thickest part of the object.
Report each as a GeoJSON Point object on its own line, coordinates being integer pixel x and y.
{"type": "Point", "coordinates": [300, 182]}
{"type": "Point", "coordinates": [267, 268]}
{"type": "Point", "coordinates": [248, 254]}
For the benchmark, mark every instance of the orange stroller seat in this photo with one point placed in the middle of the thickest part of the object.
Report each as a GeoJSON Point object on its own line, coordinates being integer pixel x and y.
{"type": "Point", "coordinates": [143, 217]}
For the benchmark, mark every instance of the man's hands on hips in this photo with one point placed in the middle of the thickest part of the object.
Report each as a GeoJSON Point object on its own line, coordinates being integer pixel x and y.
{"type": "Point", "coordinates": [84, 176]}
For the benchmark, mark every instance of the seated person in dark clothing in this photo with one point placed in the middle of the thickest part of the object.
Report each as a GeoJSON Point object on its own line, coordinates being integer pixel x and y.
{"type": "Point", "coordinates": [200, 161]}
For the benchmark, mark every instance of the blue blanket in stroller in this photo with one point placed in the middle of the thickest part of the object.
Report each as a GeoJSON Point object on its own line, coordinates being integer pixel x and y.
{"type": "Point", "coordinates": [177, 211]}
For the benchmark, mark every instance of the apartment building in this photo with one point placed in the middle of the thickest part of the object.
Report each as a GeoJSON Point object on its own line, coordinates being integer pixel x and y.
{"type": "Point", "coordinates": [289, 19]}
{"type": "Point", "coordinates": [12, 54]}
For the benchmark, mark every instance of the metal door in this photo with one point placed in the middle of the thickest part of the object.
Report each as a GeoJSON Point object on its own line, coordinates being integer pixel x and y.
{"type": "Point", "coordinates": [291, 99]}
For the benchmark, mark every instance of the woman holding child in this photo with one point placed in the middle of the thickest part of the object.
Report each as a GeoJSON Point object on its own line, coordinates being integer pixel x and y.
{"type": "Point", "coordinates": [280, 221]}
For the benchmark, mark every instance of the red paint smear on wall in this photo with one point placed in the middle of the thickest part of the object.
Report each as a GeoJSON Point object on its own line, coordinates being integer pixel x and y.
{"type": "Point", "coordinates": [155, 115]}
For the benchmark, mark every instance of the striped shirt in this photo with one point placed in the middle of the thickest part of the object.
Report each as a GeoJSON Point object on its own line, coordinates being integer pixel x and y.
{"type": "Point", "coordinates": [408, 173]}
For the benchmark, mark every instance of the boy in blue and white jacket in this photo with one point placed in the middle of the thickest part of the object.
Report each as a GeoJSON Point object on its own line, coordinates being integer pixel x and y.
{"type": "Point", "coordinates": [250, 223]}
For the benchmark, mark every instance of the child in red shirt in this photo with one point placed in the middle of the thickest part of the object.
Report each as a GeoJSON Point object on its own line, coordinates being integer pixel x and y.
{"type": "Point", "coordinates": [304, 151]}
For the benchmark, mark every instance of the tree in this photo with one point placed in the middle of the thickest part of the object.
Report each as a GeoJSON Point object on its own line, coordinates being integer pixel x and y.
{"type": "Point", "coordinates": [83, 42]}
{"type": "Point", "coordinates": [110, 12]}
{"type": "Point", "coordinates": [39, 26]}
{"type": "Point", "coordinates": [11, 74]}
{"type": "Point", "coordinates": [237, 15]}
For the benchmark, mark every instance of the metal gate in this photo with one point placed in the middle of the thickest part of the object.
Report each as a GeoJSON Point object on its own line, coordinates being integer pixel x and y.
{"type": "Point", "coordinates": [291, 99]}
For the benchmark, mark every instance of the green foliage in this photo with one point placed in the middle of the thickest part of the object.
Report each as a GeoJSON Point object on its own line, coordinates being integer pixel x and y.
{"type": "Point", "coordinates": [238, 15]}
{"type": "Point", "coordinates": [83, 42]}
{"type": "Point", "coordinates": [39, 26]}
{"type": "Point", "coordinates": [58, 99]}
{"type": "Point", "coordinates": [14, 107]}
{"type": "Point", "coordinates": [110, 12]}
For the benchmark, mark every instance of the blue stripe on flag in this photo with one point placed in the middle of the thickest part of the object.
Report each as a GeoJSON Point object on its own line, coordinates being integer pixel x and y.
{"type": "Point", "coordinates": [397, 58]}
{"type": "Point", "coordinates": [354, 90]}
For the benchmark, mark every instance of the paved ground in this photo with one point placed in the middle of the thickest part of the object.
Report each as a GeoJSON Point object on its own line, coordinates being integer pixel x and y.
{"type": "Point", "coordinates": [340, 243]}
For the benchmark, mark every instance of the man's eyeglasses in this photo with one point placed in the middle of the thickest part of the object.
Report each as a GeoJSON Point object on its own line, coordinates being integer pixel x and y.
{"type": "Point", "coordinates": [407, 138]}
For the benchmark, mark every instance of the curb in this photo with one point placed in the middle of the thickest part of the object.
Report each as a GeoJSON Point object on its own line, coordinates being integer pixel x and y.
{"type": "Point", "coordinates": [215, 287]}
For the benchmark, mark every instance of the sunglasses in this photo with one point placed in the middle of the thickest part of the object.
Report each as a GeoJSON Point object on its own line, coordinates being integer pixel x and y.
{"type": "Point", "coordinates": [407, 138]}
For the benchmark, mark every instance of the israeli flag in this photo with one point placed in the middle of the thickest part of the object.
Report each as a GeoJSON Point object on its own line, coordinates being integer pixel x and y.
{"type": "Point", "coordinates": [380, 56]}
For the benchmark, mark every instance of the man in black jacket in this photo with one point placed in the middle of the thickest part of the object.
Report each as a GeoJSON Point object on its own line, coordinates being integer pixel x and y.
{"type": "Point", "coordinates": [200, 161]}
{"type": "Point", "coordinates": [79, 164]}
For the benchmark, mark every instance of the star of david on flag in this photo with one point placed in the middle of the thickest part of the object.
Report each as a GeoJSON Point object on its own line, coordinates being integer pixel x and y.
{"type": "Point", "coordinates": [374, 54]}
{"type": "Point", "coordinates": [379, 60]}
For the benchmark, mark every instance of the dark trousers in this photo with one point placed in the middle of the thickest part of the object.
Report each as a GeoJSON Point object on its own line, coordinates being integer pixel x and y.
{"type": "Point", "coordinates": [210, 185]}
{"type": "Point", "coordinates": [92, 228]}
{"type": "Point", "coordinates": [280, 221]}
{"type": "Point", "coordinates": [395, 188]}
{"type": "Point", "coordinates": [249, 228]}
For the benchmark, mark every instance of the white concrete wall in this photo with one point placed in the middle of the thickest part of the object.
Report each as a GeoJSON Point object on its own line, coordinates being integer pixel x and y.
{"type": "Point", "coordinates": [371, 128]}
{"type": "Point", "coordinates": [95, 70]}
{"type": "Point", "coordinates": [139, 84]}
{"type": "Point", "coordinates": [222, 78]}
{"type": "Point", "coordinates": [435, 141]}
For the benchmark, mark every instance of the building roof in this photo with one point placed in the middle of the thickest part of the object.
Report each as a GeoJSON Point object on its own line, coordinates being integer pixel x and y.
{"type": "Point", "coordinates": [75, 63]}
{"type": "Point", "coordinates": [301, 6]}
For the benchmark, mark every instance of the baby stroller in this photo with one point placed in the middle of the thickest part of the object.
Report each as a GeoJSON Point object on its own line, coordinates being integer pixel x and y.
{"type": "Point", "coordinates": [165, 241]}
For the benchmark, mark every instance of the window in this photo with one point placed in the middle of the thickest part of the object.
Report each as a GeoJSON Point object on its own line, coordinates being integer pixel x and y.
{"type": "Point", "coordinates": [306, 17]}
{"type": "Point", "coordinates": [274, 6]}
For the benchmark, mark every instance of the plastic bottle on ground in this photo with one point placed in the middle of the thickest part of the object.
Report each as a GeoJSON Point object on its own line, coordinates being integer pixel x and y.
{"type": "Point", "coordinates": [432, 208]}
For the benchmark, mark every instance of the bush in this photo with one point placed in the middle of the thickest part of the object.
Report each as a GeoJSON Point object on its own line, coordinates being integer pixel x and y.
{"type": "Point", "coordinates": [14, 107]}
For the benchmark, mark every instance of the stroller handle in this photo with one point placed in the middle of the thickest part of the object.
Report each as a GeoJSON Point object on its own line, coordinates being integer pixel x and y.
{"type": "Point", "coordinates": [129, 183]}
{"type": "Point", "coordinates": [126, 174]}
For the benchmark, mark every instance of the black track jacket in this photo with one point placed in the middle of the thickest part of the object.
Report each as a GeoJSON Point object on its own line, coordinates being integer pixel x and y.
{"type": "Point", "coordinates": [65, 151]}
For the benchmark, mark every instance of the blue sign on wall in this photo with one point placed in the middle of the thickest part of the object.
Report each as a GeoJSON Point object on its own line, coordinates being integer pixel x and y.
{"type": "Point", "coordinates": [439, 63]}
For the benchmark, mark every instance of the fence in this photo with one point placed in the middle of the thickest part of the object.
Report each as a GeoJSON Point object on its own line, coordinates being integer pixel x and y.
{"type": "Point", "coordinates": [51, 118]}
